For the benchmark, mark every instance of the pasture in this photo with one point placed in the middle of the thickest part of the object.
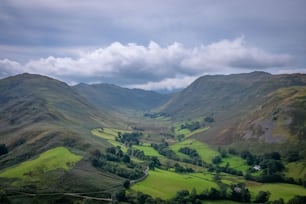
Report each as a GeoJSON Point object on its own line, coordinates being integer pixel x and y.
{"type": "Point", "coordinates": [57, 158]}
{"type": "Point", "coordinates": [277, 190]}
{"type": "Point", "coordinates": [164, 184]}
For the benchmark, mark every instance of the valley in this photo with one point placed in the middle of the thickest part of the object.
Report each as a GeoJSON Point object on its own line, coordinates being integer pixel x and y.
{"type": "Point", "coordinates": [224, 139]}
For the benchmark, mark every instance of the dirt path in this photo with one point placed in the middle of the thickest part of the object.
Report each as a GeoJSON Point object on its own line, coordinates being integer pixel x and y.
{"type": "Point", "coordinates": [146, 173]}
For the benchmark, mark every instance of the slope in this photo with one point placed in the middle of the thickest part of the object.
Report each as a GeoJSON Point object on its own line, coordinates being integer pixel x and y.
{"type": "Point", "coordinates": [227, 99]}
{"type": "Point", "coordinates": [38, 113]}
{"type": "Point", "coordinates": [121, 99]}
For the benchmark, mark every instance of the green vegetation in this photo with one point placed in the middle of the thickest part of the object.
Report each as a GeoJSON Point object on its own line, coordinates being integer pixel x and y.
{"type": "Point", "coordinates": [296, 170]}
{"type": "Point", "coordinates": [108, 133]}
{"type": "Point", "coordinates": [188, 129]}
{"type": "Point", "coordinates": [277, 190]}
{"type": "Point", "coordinates": [148, 151]}
{"type": "Point", "coordinates": [57, 158]}
{"type": "Point", "coordinates": [165, 184]}
{"type": "Point", "coordinates": [205, 152]}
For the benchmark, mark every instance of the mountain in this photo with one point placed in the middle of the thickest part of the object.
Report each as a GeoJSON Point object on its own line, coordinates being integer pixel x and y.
{"type": "Point", "coordinates": [232, 100]}
{"type": "Point", "coordinates": [38, 113]}
{"type": "Point", "coordinates": [121, 99]}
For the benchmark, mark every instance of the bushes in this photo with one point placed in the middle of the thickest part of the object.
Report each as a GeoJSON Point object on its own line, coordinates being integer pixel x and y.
{"type": "Point", "coordinates": [3, 149]}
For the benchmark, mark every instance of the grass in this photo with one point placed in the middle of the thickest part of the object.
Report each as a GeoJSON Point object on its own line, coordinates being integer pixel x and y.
{"type": "Point", "coordinates": [235, 162]}
{"type": "Point", "coordinates": [165, 184]}
{"type": "Point", "coordinates": [148, 151]}
{"type": "Point", "coordinates": [277, 190]}
{"type": "Point", "coordinates": [296, 170]}
{"type": "Point", "coordinates": [57, 158]}
{"type": "Point", "coordinates": [187, 132]}
{"type": "Point", "coordinates": [206, 153]}
{"type": "Point", "coordinates": [110, 135]}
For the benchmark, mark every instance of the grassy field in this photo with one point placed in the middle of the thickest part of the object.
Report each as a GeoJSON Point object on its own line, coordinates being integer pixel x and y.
{"type": "Point", "coordinates": [277, 190]}
{"type": "Point", "coordinates": [108, 133]}
{"type": "Point", "coordinates": [235, 162]}
{"type": "Point", "coordinates": [57, 158]}
{"type": "Point", "coordinates": [165, 184]}
{"type": "Point", "coordinates": [205, 152]}
{"type": "Point", "coordinates": [149, 151]}
{"type": "Point", "coordinates": [296, 170]}
{"type": "Point", "coordinates": [187, 132]}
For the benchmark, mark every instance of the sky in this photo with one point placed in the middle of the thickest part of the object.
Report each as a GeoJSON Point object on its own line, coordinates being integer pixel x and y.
{"type": "Point", "coordinates": [151, 44]}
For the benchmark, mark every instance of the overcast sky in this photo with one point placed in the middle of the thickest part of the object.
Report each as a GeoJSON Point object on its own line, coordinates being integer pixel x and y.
{"type": "Point", "coordinates": [158, 44]}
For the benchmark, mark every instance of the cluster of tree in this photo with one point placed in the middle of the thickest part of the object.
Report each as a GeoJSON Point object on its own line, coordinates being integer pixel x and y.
{"type": "Point", "coordinates": [226, 169]}
{"type": "Point", "coordinates": [156, 115]}
{"type": "Point", "coordinates": [163, 149]}
{"type": "Point", "coordinates": [139, 154]}
{"type": "Point", "coordinates": [190, 152]}
{"type": "Point", "coordinates": [180, 169]}
{"type": "Point", "coordinates": [129, 139]}
{"type": "Point", "coordinates": [153, 161]}
{"type": "Point", "coordinates": [193, 125]}
{"type": "Point", "coordinates": [3, 149]}
{"type": "Point", "coordinates": [270, 163]}
{"type": "Point", "coordinates": [116, 162]}
{"type": "Point", "coordinates": [209, 119]}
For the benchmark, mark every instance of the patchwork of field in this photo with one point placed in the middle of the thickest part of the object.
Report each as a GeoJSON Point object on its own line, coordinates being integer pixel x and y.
{"type": "Point", "coordinates": [57, 158]}
{"type": "Point", "coordinates": [173, 182]}
{"type": "Point", "coordinates": [164, 184]}
{"type": "Point", "coordinates": [207, 154]}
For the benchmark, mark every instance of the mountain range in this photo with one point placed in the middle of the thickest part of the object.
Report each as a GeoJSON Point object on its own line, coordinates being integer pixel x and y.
{"type": "Point", "coordinates": [253, 110]}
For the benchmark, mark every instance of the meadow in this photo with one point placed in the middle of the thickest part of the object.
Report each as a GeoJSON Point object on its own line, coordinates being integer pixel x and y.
{"type": "Point", "coordinates": [164, 184]}
{"type": "Point", "coordinates": [57, 158]}
{"type": "Point", "coordinates": [207, 154]}
{"type": "Point", "coordinates": [277, 190]}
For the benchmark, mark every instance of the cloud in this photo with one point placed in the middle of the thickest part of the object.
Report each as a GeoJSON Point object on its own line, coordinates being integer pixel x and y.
{"type": "Point", "coordinates": [152, 66]}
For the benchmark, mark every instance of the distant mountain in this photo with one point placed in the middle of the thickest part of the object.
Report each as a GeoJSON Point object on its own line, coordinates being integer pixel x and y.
{"type": "Point", "coordinates": [231, 101]}
{"type": "Point", "coordinates": [121, 99]}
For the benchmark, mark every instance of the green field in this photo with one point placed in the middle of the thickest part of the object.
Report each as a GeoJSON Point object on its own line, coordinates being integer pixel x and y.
{"type": "Point", "coordinates": [57, 158]}
{"type": "Point", "coordinates": [205, 152]}
{"type": "Point", "coordinates": [165, 184]}
{"type": "Point", "coordinates": [149, 151]}
{"type": "Point", "coordinates": [277, 190]}
{"type": "Point", "coordinates": [188, 133]}
{"type": "Point", "coordinates": [296, 170]}
{"type": "Point", "coordinates": [108, 133]}
{"type": "Point", "coordinates": [235, 162]}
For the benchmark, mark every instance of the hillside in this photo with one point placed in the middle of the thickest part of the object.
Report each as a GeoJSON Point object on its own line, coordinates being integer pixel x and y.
{"type": "Point", "coordinates": [39, 113]}
{"type": "Point", "coordinates": [229, 99]}
{"type": "Point", "coordinates": [121, 99]}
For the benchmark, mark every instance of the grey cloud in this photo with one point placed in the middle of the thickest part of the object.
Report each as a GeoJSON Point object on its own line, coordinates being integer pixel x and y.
{"type": "Point", "coordinates": [153, 65]}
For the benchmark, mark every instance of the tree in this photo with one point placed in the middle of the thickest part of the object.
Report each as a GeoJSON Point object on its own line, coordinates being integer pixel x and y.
{"type": "Point", "coordinates": [126, 184]}
{"type": "Point", "coordinates": [216, 160]}
{"type": "Point", "coordinates": [3, 149]}
{"type": "Point", "coordinates": [262, 197]}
